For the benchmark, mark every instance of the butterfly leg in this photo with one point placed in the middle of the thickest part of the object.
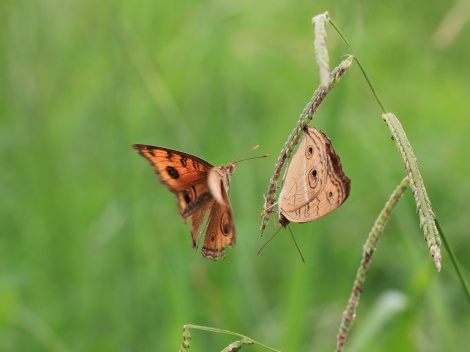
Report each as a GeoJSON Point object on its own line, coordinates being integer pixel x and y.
{"type": "Point", "coordinates": [195, 205]}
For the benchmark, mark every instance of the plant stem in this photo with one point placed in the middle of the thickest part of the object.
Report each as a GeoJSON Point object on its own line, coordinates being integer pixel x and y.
{"type": "Point", "coordinates": [376, 95]}
{"type": "Point", "coordinates": [455, 262]}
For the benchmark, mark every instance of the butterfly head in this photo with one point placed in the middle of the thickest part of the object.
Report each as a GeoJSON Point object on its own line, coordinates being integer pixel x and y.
{"type": "Point", "coordinates": [283, 221]}
{"type": "Point", "coordinates": [230, 168]}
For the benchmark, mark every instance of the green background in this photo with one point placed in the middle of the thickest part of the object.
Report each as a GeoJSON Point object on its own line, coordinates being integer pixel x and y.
{"type": "Point", "coordinates": [93, 254]}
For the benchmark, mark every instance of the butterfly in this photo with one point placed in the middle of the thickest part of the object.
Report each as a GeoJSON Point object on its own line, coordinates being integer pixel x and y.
{"type": "Point", "coordinates": [315, 183]}
{"type": "Point", "coordinates": [200, 189]}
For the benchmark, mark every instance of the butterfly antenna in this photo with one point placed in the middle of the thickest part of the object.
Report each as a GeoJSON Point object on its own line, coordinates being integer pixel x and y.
{"type": "Point", "coordinates": [298, 249]}
{"type": "Point", "coordinates": [264, 245]}
{"type": "Point", "coordinates": [255, 157]}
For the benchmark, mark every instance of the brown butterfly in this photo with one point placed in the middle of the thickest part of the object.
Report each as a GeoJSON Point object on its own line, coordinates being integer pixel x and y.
{"type": "Point", "coordinates": [315, 183]}
{"type": "Point", "coordinates": [200, 189]}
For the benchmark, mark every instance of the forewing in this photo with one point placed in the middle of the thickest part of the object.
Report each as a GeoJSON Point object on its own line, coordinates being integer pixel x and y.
{"type": "Point", "coordinates": [176, 170]}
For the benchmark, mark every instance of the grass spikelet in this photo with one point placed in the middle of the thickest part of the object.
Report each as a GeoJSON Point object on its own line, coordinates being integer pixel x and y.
{"type": "Point", "coordinates": [237, 345]}
{"type": "Point", "coordinates": [186, 339]}
{"type": "Point", "coordinates": [321, 50]}
{"type": "Point", "coordinates": [423, 204]}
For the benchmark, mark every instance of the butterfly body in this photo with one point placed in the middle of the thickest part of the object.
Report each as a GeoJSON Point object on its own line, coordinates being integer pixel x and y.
{"type": "Point", "coordinates": [201, 191]}
{"type": "Point", "coordinates": [315, 183]}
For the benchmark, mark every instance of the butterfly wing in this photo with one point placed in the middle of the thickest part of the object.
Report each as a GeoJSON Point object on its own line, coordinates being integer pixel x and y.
{"type": "Point", "coordinates": [176, 170]}
{"type": "Point", "coordinates": [315, 182]}
{"type": "Point", "coordinates": [337, 185]}
{"type": "Point", "coordinates": [220, 224]}
{"type": "Point", "coordinates": [182, 173]}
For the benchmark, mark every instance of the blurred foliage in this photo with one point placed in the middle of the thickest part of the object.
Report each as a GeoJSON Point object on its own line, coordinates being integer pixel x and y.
{"type": "Point", "coordinates": [94, 256]}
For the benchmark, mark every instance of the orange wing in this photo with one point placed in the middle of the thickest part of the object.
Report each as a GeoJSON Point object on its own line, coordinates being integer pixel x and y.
{"type": "Point", "coordinates": [182, 173]}
{"type": "Point", "coordinates": [176, 170]}
{"type": "Point", "coordinates": [220, 229]}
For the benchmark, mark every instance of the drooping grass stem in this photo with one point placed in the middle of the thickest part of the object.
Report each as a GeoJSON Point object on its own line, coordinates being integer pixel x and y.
{"type": "Point", "coordinates": [235, 346]}
{"type": "Point", "coordinates": [423, 204]}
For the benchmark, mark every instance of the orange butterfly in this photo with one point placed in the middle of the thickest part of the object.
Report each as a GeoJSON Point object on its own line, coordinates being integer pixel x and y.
{"type": "Point", "coordinates": [200, 188]}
